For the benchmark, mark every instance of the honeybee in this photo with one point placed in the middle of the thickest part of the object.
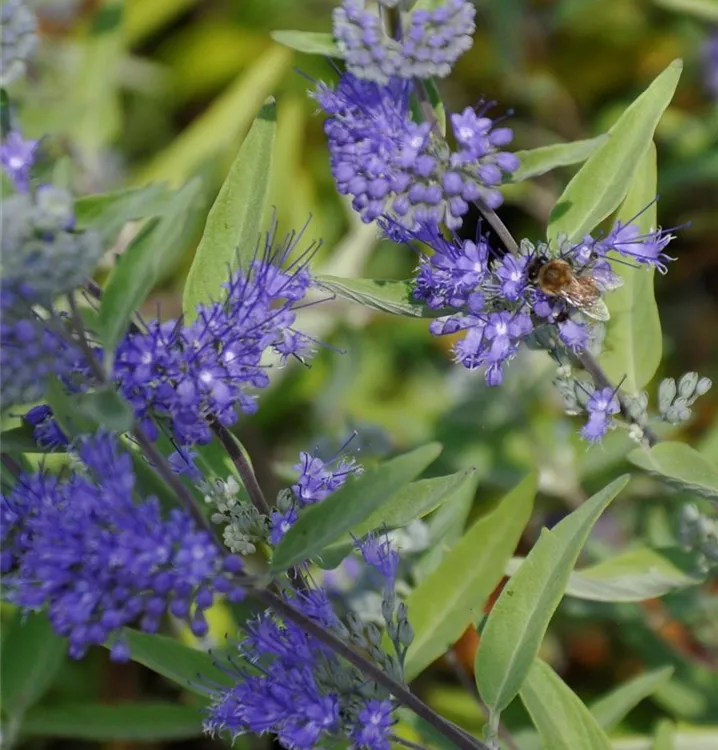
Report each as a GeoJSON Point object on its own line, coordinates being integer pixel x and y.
{"type": "Point", "coordinates": [556, 278]}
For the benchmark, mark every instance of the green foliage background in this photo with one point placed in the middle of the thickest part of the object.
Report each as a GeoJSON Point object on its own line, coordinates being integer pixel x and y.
{"type": "Point", "coordinates": [165, 90]}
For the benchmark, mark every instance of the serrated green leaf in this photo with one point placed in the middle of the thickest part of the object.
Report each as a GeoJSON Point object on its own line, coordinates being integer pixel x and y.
{"type": "Point", "coordinates": [633, 345]}
{"type": "Point", "coordinates": [518, 621]}
{"type": "Point", "coordinates": [679, 465]}
{"type": "Point", "coordinates": [538, 161]}
{"type": "Point", "coordinates": [217, 129]}
{"type": "Point", "coordinates": [194, 670]}
{"type": "Point", "coordinates": [309, 42]}
{"type": "Point", "coordinates": [389, 296]}
{"type": "Point", "coordinates": [321, 524]}
{"type": "Point", "coordinates": [562, 720]}
{"type": "Point", "coordinates": [96, 722]}
{"type": "Point", "coordinates": [602, 183]}
{"type": "Point", "coordinates": [706, 9]}
{"type": "Point", "coordinates": [32, 653]}
{"type": "Point", "coordinates": [453, 595]}
{"type": "Point", "coordinates": [633, 576]}
{"type": "Point", "coordinates": [109, 212]}
{"type": "Point", "coordinates": [611, 709]}
{"type": "Point", "coordinates": [416, 500]}
{"type": "Point", "coordinates": [234, 223]}
{"type": "Point", "coordinates": [137, 270]}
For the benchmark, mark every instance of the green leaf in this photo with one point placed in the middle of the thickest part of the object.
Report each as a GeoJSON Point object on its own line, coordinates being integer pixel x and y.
{"type": "Point", "coordinates": [707, 9]}
{"type": "Point", "coordinates": [95, 722]}
{"type": "Point", "coordinates": [32, 654]}
{"type": "Point", "coordinates": [194, 670]}
{"type": "Point", "coordinates": [389, 296]}
{"type": "Point", "coordinates": [309, 42]}
{"type": "Point", "coordinates": [221, 124]}
{"type": "Point", "coordinates": [413, 501]}
{"type": "Point", "coordinates": [446, 527]}
{"type": "Point", "coordinates": [681, 738]}
{"type": "Point", "coordinates": [453, 595]}
{"type": "Point", "coordinates": [345, 509]}
{"type": "Point", "coordinates": [633, 346]}
{"type": "Point", "coordinates": [679, 465]}
{"type": "Point", "coordinates": [633, 576]}
{"type": "Point", "coordinates": [137, 270]}
{"type": "Point", "coordinates": [602, 183]}
{"type": "Point", "coordinates": [437, 105]}
{"type": "Point", "coordinates": [664, 737]}
{"type": "Point", "coordinates": [109, 212]}
{"type": "Point", "coordinates": [538, 161]}
{"type": "Point", "coordinates": [519, 619]}
{"type": "Point", "coordinates": [562, 720]}
{"type": "Point", "coordinates": [106, 408]}
{"type": "Point", "coordinates": [20, 440]}
{"type": "Point", "coordinates": [234, 223]}
{"type": "Point", "coordinates": [612, 708]}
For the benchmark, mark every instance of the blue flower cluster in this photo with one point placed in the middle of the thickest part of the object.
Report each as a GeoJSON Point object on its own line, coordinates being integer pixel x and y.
{"type": "Point", "coordinates": [432, 41]}
{"type": "Point", "coordinates": [395, 167]}
{"type": "Point", "coordinates": [317, 480]}
{"type": "Point", "coordinates": [98, 559]}
{"type": "Point", "coordinates": [188, 374]}
{"type": "Point", "coordinates": [501, 300]}
{"type": "Point", "coordinates": [291, 685]}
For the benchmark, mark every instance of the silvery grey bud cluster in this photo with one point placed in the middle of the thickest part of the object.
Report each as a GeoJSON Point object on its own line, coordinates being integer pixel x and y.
{"type": "Point", "coordinates": [567, 385]}
{"type": "Point", "coordinates": [42, 256]}
{"type": "Point", "coordinates": [637, 408]}
{"type": "Point", "coordinates": [18, 40]}
{"type": "Point", "coordinates": [698, 531]}
{"type": "Point", "coordinates": [245, 526]}
{"type": "Point", "coordinates": [675, 399]}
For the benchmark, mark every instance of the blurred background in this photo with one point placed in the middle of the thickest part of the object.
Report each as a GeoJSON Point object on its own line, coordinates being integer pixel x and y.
{"type": "Point", "coordinates": [164, 90]}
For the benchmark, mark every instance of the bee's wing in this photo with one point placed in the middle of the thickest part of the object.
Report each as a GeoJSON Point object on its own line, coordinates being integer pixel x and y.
{"type": "Point", "coordinates": [589, 304]}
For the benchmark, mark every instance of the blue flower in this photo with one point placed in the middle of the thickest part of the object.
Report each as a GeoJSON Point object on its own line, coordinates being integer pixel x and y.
{"type": "Point", "coordinates": [17, 157]}
{"type": "Point", "coordinates": [46, 431]}
{"type": "Point", "coordinates": [99, 560]}
{"type": "Point", "coordinates": [374, 726]}
{"type": "Point", "coordinates": [379, 554]}
{"type": "Point", "coordinates": [646, 248]}
{"type": "Point", "coordinates": [600, 407]}
{"type": "Point", "coordinates": [317, 480]}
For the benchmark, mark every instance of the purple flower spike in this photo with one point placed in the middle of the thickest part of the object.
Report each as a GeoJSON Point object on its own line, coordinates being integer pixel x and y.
{"type": "Point", "coordinates": [17, 157]}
